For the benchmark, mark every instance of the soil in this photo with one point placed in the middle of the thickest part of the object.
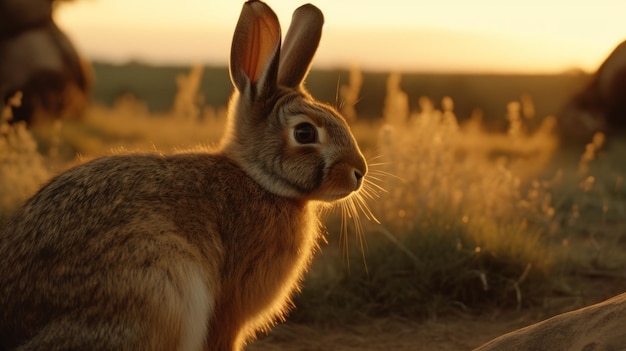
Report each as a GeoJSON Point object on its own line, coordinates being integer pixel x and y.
{"type": "Point", "coordinates": [445, 334]}
{"type": "Point", "coordinates": [450, 333]}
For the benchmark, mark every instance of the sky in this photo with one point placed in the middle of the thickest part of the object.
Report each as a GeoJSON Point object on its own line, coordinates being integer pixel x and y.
{"type": "Point", "coordinates": [493, 36]}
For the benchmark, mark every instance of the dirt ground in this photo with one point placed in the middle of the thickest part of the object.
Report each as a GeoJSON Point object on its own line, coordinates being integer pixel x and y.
{"type": "Point", "coordinates": [446, 334]}
{"type": "Point", "coordinates": [449, 333]}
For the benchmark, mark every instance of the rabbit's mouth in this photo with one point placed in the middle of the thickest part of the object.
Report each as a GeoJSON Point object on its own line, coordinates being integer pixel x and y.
{"type": "Point", "coordinates": [343, 182]}
{"type": "Point", "coordinates": [331, 197]}
{"type": "Point", "coordinates": [339, 193]}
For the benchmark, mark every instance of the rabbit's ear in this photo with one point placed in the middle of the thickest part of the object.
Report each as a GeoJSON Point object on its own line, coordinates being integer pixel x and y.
{"type": "Point", "coordinates": [255, 50]}
{"type": "Point", "coordinates": [300, 45]}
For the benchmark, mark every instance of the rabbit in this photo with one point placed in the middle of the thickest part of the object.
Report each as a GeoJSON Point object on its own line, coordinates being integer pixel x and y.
{"type": "Point", "coordinates": [194, 250]}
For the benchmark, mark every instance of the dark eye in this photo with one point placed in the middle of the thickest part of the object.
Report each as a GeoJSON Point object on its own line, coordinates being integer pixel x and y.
{"type": "Point", "coordinates": [305, 133]}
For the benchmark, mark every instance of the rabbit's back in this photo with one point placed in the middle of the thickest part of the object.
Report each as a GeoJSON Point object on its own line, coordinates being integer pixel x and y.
{"type": "Point", "coordinates": [139, 242]}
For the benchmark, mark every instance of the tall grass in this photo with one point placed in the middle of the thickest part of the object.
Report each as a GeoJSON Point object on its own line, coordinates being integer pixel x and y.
{"type": "Point", "coordinates": [349, 94]}
{"type": "Point", "coordinates": [590, 204]}
{"type": "Point", "coordinates": [22, 168]}
{"type": "Point", "coordinates": [459, 227]}
{"type": "Point", "coordinates": [468, 219]}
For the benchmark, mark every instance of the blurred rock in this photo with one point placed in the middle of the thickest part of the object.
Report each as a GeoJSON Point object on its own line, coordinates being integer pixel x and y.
{"type": "Point", "coordinates": [601, 105]}
{"type": "Point", "coordinates": [39, 60]}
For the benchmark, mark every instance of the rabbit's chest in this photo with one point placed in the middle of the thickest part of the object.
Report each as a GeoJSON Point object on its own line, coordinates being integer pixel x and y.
{"type": "Point", "coordinates": [265, 252]}
{"type": "Point", "coordinates": [266, 263]}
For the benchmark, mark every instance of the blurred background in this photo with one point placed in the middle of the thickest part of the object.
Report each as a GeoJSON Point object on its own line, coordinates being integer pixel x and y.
{"type": "Point", "coordinates": [476, 53]}
{"type": "Point", "coordinates": [484, 36]}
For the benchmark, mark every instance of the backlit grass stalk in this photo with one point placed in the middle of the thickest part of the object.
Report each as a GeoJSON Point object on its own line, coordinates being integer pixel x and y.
{"type": "Point", "coordinates": [22, 168]}
{"type": "Point", "coordinates": [458, 226]}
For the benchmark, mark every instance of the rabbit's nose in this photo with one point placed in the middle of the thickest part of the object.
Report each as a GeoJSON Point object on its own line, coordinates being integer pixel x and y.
{"type": "Point", "coordinates": [358, 175]}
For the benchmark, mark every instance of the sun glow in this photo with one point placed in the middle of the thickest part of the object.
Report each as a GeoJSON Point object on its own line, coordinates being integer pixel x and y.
{"type": "Point", "coordinates": [447, 35]}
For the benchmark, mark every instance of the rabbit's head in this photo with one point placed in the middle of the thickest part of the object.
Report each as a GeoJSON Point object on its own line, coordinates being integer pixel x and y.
{"type": "Point", "coordinates": [291, 144]}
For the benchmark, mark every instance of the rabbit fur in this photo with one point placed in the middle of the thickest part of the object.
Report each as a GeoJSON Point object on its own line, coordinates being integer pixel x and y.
{"type": "Point", "coordinates": [196, 250]}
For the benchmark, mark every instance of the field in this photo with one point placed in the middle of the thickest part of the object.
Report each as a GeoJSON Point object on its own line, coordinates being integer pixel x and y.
{"type": "Point", "coordinates": [479, 221]}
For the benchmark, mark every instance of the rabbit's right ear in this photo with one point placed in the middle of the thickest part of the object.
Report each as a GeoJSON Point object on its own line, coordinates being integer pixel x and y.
{"type": "Point", "coordinates": [301, 42]}
{"type": "Point", "coordinates": [255, 50]}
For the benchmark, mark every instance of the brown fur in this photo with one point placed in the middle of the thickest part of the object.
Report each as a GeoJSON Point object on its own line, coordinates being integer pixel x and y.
{"type": "Point", "coordinates": [193, 251]}
{"type": "Point", "coordinates": [152, 212]}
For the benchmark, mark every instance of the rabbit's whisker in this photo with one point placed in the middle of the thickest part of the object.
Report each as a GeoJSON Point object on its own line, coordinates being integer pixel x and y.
{"type": "Point", "coordinates": [355, 207]}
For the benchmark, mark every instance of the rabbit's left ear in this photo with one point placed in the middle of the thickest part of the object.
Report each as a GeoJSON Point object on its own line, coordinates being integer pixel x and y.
{"type": "Point", "coordinates": [300, 44]}
{"type": "Point", "coordinates": [255, 50]}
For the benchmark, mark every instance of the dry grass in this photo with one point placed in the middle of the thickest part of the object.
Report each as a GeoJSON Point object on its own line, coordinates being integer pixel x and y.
{"type": "Point", "coordinates": [468, 219]}
{"type": "Point", "coordinates": [461, 223]}
{"type": "Point", "coordinates": [22, 168]}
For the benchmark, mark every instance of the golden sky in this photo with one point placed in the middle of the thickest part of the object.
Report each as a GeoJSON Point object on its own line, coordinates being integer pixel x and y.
{"type": "Point", "coordinates": [438, 35]}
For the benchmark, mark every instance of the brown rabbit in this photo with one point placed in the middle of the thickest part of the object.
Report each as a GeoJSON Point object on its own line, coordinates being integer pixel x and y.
{"type": "Point", "coordinates": [191, 251]}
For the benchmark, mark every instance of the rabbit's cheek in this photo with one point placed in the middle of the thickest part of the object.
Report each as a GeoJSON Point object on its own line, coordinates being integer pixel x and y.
{"type": "Point", "coordinates": [304, 168]}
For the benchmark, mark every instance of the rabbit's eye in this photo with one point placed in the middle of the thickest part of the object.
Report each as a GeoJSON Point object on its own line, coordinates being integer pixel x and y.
{"type": "Point", "coordinates": [305, 133]}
